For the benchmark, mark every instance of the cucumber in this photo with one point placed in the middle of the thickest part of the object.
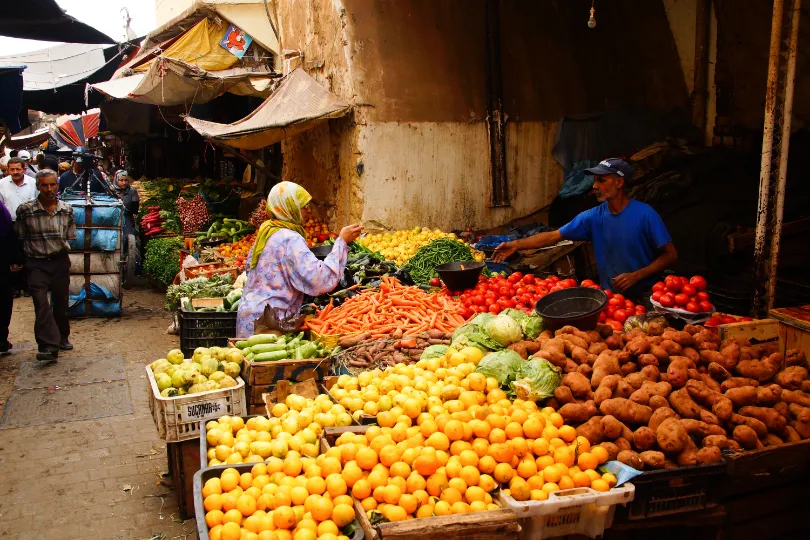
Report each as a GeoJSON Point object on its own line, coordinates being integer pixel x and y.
{"type": "Point", "coordinates": [261, 338]}
{"type": "Point", "coordinates": [250, 357]}
{"type": "Point", "coordinates": [270, 356]}
{"type": "Point", "coordinates": [242, 344]}
{"type": "Point", "coordinates": [267, 347]}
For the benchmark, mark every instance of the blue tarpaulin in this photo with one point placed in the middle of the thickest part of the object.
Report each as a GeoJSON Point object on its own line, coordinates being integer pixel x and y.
{"type": "Point", "coordinates": [103, 303]}
{"type": "Point", "coordinates": [106, 211]}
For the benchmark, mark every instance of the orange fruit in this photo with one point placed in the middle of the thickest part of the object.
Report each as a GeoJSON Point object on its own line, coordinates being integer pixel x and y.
{"type": "Point", "coordinates": [454, 430]}
{"type": "Point", "coordinates": [550, 487]}
{"type": "Point", "coordinates": [474, 493]}
{"type": "Point", "coordinates": [436, 484]}
{"type": "Point", "coordinates": [460, 507]}
{"type": "Point", "coordinates": [600, 485]}
{"type": "Point", "coordinates": [426, 510]}
{"type": "Point", "coordinates": [213, 502]}
{"type": "Point", "coordinates": [581, 480]}
{"type": "Point", "coordinates": [600, 453]}
{"type": "Point", "coordinates": [361, 489]}
{"type": "Point", "coordinates": [564, 455]}
{"type": "Point", "coordinates": [487, 464]}
{"type": "Point", "coordinates": [451, 495]}
{"type": "Point", "coordinates": [298, 495]}
{"type": "Point", "coordinates": [321, 509]}
{"type": "Point", "coordinates": [342, 515]}
{"type": "Point", "coordinates": [566, 482]}
{"type": "Point", "coordinates": [519, 489]}
{"type": "Point", "coordinates": [513, 429]}
{"type": "Point", "coordinates": [400, 469]}
{"type": "Point", "coordinates": [229, 479]}
{"type": "Point", "coordinates": [327, 527]}
{"type": "Point", "coordinates": [246, 505]}
{"type": "Point", "coordinates": [391, 494]}
{"type": "Point", "coordinates": [470, 475]}
{"type": "Point", "coordinates": [425, 465]}
{"type": "Point", "coordinates": [232, 516]}
{"type": "Point", "coordinates": [533, 427]}
{"type": "Point", "coordinates": [316, 485]}
{"type": "Point", "coordinates": [211, 487]}
{"type": "Point", "coordinates": [335, 485]}
{"type": "Point", "coordinates": [567, 433]}
{"type": "Point", "coordinates": [390, 455]}
{"type": "Point", "coordinates": [366, 458]}
{"type": "Point", "coordinates": [539, 495]}
{"type": "Point", "coordinates": [486, 482]}
{"type": "Point", "coordinates": [351, 474]}
{"type": "Point", "coordinates": [330, 465]}
{"type": "Point", "coordinates": [587, 460]}
{"type": "Point", "coordinates": [415, 482]}
{"type": "Point", "coordinates": [439, 441]}
{"type": "Point", "coordinates": [377, 478]}
{"type": "Point", "coordinates": [395, 513]}
{"type": "Point", "coordinates": [368, 504]}
{"type": "Point", "coordinates": [497, 435]}
{"type": "Point", "coordinates": [610, 478]}
{"type": "Point", "coordinates": [214, 518]}
{"type": "Point", "coordinates": [503, 473]}
{"type": "Point", "coordinates": [230, 531]}
{"type": "Point", "coordinates": [527, 468]}
{"type": "Point", "coordinates": [442, 508]}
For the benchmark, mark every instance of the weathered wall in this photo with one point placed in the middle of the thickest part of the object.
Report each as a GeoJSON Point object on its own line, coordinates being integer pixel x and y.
{"type": "Point", "coordinates": [682, 23]}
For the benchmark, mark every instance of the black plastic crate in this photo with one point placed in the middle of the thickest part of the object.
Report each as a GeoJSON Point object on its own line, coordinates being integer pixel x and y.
{"type": "Point", "coordinates": [673, 491]}
{"type": "Point", "coordinates": [205, 329]}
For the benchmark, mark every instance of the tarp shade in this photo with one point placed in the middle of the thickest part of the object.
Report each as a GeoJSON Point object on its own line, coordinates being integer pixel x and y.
{"type": "Point", "coordinates": [200, 47]}
{"type": "Point", "coordinates": [44, 20]}
{"type": "Point", "coordinates": [173, 82]}
{"type": "Point", "coordinates": [11, 94]}
{"type": "Point", "coordinates": [298, 104]}
{"type": "Point", "coordinates": [32, 140]}
{"type": "Point", "coordinates": [74, 130]}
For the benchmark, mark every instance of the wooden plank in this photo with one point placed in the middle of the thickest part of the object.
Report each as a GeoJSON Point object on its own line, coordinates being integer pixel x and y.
{"type": "Point", "coordinates": [760, 331]}
{"type": "Point", "coordinates": [184, 462]}
{"type": "Point", "coordinates": [207, 302]}
{"type": "Point", "coordinates": [268, 373]}
{"type": "Point", "coordinates": [794, 338]}
{"type": "Point", "coordinates": [488, 525]}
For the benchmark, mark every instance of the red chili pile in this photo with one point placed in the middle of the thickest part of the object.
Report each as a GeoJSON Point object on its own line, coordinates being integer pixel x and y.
{"type": "Point", "coordinates": [682, 293]}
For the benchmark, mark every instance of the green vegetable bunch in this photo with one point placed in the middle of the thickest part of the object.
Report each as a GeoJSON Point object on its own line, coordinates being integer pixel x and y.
{"type": "Point", "coordinates": [422, 266]}
{"type": "Point", "coordinates": [162, 258]}
{"type": "Point", "coordinates": [217, 286]}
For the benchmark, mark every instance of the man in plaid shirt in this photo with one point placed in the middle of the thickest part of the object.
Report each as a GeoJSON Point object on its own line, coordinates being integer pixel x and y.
{"type": "Point", "coordinates": [44, 225]}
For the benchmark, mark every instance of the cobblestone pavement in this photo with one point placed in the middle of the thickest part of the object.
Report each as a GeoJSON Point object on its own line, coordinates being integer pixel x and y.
{"type": "Point", "coordinates": [99, 478]}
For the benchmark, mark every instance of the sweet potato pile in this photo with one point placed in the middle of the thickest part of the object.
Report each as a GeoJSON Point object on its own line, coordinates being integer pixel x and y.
{"type": "Point", "coordinates": [670, 398]}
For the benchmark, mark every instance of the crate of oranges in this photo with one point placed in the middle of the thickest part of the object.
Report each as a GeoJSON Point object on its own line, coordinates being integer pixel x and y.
{"type": "Point", "coordinates": [237, 252]}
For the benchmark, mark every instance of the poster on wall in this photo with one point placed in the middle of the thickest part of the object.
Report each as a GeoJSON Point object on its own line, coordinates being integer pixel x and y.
{"type": "Point", "coordinates": [236, 41]}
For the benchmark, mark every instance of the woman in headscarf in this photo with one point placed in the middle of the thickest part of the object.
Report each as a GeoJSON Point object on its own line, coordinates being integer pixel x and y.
{"type": "Point", "coordinates": [281, 268]}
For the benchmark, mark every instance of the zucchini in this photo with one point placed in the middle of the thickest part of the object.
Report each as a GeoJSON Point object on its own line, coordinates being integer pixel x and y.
{"type": "Point", "coordinates": [262, 338]}
{"type": "Point", "coordinates": [242, 344]}
{"type": "Point", "coordinates": [270, 356]}
{"type": "Point", "coordinates": [267, 347]}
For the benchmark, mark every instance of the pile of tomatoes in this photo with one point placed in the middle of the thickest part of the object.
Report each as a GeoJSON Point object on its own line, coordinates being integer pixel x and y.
{"type": "Point", "coordinates": [618, 308]}
{"type": "Point", "coordinates": [724, 318]}
{"type": "Point", "coordinates": [681, 293]}
{"type": "Point", "coordinates": [517, 291]}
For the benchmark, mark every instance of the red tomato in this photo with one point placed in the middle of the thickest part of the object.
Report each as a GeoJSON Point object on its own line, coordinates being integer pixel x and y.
{"type": "Point", "coordinates": [616, 325]}
{"type": "Point", "coordinates": [542, 291]}
{"type": "Point", "coordinates": [656, 296]}
{"type": "Point", "coordinates": [684, 280]}
{"type": "Point", "coordinates": [513, 278]}
{"type": "Point", "coordinates": [520, 291]}
{"type": "Point", "coordinates": [681, 299]}
{"type": "Point", "coordinates": [609, 293]}
{"type": "Point", "coordinates": [698, 282]}
{"type": "Point", "coordinates": [705, 306]}
{"type": "Point", "coordinates": [526, 298]}
{"type": "Point", "coordinates": [554, 279]}
{"type": "Point", "coordinates": [528, 280]}
{"type": "Point", "coordinates": [504, 291]}
{"type": "Point", "coordinates": [464, 312]}
{"type": "Point", "coordinates": [693, 307]}
{"type": "Point", "coordinates": [602, 317]}
{"type": "Point", "coordinates": [615, 302]}
{"type": "Point", "coordinates": [619, 297]}
{"type": "Point", "coordinates": [570, 283]}
{"type": "Point", "coordinates": [435, 282]}
{"type": "Point", "coordinates": [628, 304]}
{"type": "Point", "coordinates": [510, 303]}
{"type": "Point", "coordinates": [659, 286]}
{"type": "Point", "coordinates": [673, 284]}
{"type": "Point", "coordinates": [490, 296]}
{"type": "Point", "coordinates": [494, 309]}
{"type": "Point", "coordinates": [640, 310]}
{"type": "Point", "coordinates": [725, 319]}
{"type": "Point", "coordinates": [688, 290]}
{"type": "Point", "coordinates": [587, 283]}
{"type": "Point", "coordinates": [479, 300]}
{"type": "Point", "coordinates": [482, 278]}
{"type": "Point", "coordinates": [713, 321]}
{"type": "Point", "coordinates": [746, 319]}
{"type": "Point", "coordinates": [702, 296]}
{"type": "Point", "coordinates": [531, 289]}
{"type": "Point", "coordinates": [666, 301]}
{"type": "Point", "coordinates": [620, 315]}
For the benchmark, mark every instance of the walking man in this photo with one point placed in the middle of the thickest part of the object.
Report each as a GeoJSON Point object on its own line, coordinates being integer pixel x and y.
{"type": "Point", "coordinates": [45, 225]}
{"type": "Point", "coordinates": [15, 189]}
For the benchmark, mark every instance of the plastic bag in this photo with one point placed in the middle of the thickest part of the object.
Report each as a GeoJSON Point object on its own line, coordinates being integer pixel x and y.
{"type": "Point", "coordinates": [642, 321]}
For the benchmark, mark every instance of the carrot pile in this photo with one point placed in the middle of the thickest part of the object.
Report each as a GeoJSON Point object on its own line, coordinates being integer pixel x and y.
{"type": "Point", "coordinates": [393, 309]}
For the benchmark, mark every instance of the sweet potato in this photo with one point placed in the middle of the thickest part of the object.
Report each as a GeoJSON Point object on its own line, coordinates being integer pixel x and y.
{"type": "Point", "coordinates": [709, 381]}
{"type": "Point", "coordinates": [671, 348]}
{"type": "Point", "coordinates": [731, 355]}
{"type": "Point", "coordinates": [592, 430]}
{"type": "Point", "coordinates": [614, 429]}
{"type": "Point", "coordinates": [573, 331]}
{"type": "Point", "coordinates": [709, 417]}
{"type": "Point", "coordinates": [761, 370]}
{"type": "Point", "coordinates": [772, 440]}
{"type": "Point", "coordinates": [720, 441]}
{"type": "Point", "coordinates": [637, 347]}
{"type": "Point", "coordinates": [718, 372]}
{"type": "Point", "coordinates": [631, 458]}
{"type": "Point", "coordinates": [577, 412]}
{"type": "Point", "coordinates": [737, 382]}
{"type": "Point", "coordinates": [623, 389]}
{"type": "Point", "coordinates": [746, 437]}
{"type": "Point", "coordinates": [792, 434]}
{"type": "Point", "coordinates": [742, 396]}
{"type": "Point", "coordinates": [791, 377]}
{"type": "Point", "coordinates": [684, 405]}
{"type": "Point", "coordinates": [655, 329]}
{"type": "Point", "coordinates": [802, 414]}
{"type": "Point", "coordinates": [671, 436]}
{"type": "Point", "coordinates": [586, 370]}
{"type": "Point", "coordinates": [606, 388]}
{"type": "Point", "coordinates": [563, 395]}
{"type": "Point", "coordinates": [782, 407]}
{"type": "Point", "coordinates": [606, 364]}
{"type": "Point", "coordinates": [648, 389]}
{"type": "Point", "coordinates": [626, 411]}
{"type": "Point", "coordinates": [582, 356]}
{"type": "Point", "coordinates": [709, 455]}
{"type": "Point", "coordinates": [656, 402]}
{"type": "Point", "coordinates": [688, 457]}
{"type": "Point", "coordinates": [757, 426]}
{"type": "Point", "coordinates": [628, 368]}
{"type": "Point", "coordinates": [796, 396]}
{"type": "Point", "coordinates": [707, 357]}
{"type": "Point", "coordinates": [597, 347]}
{"type": "Point", "coordinates": [644, 438]}
{"type": "Point", "coordinates": [720, 404]}
{"type": "Point", "coordinates": [647, 360]}
{"type": "Point", "coordinates": [684, 339]}
{"type": "Point", "coordinates": [659, 352]}
{"type": "Point", "coordinates": [805, 386]}
{"type": "Point", "coordinates": [802, 428]}
{"type": "Point", "coordinates": [659, 415]}
{"type": "Point", "coordinates": [613, 343]}
{"type": "Point", "coordinates": [520, 348]}
{"type": "Point", "coordinates": [651, 373]}
{"type": "Point", "coordinates": [774, 421]}
{"type": "Point", "coordinates": [768, 396]}
{"type": "Point", "coordinates": [795, 357]}
{"type": "Point", "coordinates": [708, 346]}
{"type": "Point", "coordinates": [623, 444]}
{"type": "Point", "coordinates": [691, 353]}
{"type": "Point", "coordinates": [678, 371]}
{"type": "Point", "coordinates": [624, 357]}
{"type": "Point", "coordinates": [573, 340]}
{"type": "Point", "coordinates": [579, 385]}
{"type": "Point", "coordinates": [652, 459]}
{"type": "Point", "coordinates": [612, 450]}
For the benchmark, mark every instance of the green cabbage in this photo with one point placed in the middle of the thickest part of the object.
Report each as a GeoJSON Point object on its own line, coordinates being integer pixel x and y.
{"type": "Point", "coordinates": [515, 314]}
{"type": "Point", "coordinates": [502, 366]}
{"type": "Point", "coordinates": [532, 325]}
{"type": "Point", "coordinates": [536, 380]}
{"type": "Point", "coordinates": [472, 335]}
{"type": "Point", "coordinates": [434, 351]}
{"type": "Point", "coordinates": [504, 329]}
{"type": "Point", "coordinates": [482, 318]}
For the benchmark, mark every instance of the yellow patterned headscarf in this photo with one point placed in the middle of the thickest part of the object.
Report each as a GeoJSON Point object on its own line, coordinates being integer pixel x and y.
{"type": "Point", "coordinates": [285, 202]}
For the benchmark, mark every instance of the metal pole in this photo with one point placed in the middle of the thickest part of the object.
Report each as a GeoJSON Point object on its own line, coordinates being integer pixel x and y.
{"type": "Point", "coordinates": [787, 113]}
{"type": "Point", "coordinates": [760, 249]}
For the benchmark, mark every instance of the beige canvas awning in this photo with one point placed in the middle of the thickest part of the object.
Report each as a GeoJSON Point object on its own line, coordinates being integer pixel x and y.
{"type": "Point", "coordinates": [298, 104]}
{"type": "Point", "coordinates": [172, 82]}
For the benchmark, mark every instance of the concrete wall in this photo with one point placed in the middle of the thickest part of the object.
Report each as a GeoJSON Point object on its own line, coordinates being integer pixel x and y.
{"type": "Point", "coordinates": [415, 150]}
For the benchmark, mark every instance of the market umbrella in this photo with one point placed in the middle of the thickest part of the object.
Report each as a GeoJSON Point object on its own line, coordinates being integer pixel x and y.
{"type": "Point", "coordinates": [74, 130]}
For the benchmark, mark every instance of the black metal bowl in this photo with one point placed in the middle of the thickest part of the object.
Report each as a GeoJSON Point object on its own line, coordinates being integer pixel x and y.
{"type": "Point", "coordinates": [321, 252]}
{"type": "Point", "coordinates": [577, 306]}
{"type": "Point", "coordinates": [460, 275]}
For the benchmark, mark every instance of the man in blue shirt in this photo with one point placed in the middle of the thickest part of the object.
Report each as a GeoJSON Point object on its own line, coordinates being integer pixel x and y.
{"type": "Point", "coordinates": [631, 242]}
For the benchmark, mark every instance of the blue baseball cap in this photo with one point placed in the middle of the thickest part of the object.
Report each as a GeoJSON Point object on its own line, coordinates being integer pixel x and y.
{"type": "Point", "coordinates": [613, 166]}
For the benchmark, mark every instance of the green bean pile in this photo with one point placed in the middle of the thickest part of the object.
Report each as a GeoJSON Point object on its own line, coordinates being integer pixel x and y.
{"type": "Point", "coordinates": [422, 266]}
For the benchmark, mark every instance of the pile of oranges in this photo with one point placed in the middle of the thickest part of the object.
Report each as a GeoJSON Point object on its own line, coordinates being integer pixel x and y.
{"type": "Point", "coordinates": [316, 229]}
{"type": "Point", "coordinates": [297, 498]}
{"type": "Point", "coordinates": [237, 252]}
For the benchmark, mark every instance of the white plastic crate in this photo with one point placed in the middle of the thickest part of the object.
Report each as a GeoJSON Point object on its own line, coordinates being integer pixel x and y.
{"type": "Point", "coordinates": [571, 511]}
{"type": "Point", "coordinates": [178, 418]}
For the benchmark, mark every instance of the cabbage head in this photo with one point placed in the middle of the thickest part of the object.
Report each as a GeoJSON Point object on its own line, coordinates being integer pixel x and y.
{"type": "Point", "coordinates": [434, 351]}
{"type": "Point", "coordinates": [532, 325]}
{"type": "Point", "coordinates": [502, 366]}
{"type": "Point", "coordinates": [472, 335]}
{"type": "Point", "coordinates": [536, 380]}
{"type": "Point", "coordinates": [515, 314]}
{"type": "Point", "coordinates": [482, 318]}
{"type": "Point", "coordinates": [504, 329]}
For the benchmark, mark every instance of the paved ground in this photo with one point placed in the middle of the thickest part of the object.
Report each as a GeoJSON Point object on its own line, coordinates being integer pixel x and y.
{"type": "Point", "coordinates": [99, 478]}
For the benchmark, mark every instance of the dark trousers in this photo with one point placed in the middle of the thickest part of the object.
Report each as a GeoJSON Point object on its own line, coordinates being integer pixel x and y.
{"type": "Point", "coordinates": [6, 305]}
{"type": "Point", "coordinates": [52, 276]}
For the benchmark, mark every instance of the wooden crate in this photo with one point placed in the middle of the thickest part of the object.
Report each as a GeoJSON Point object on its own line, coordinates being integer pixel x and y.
{"type": "Point", "coordinates": [489, 525]}
{"type": "Point", "coordinates": [270, 373]}
{"type": "Point", "coordinates": [794, 327]}
{"type": "Point", "coordinates": [184, 462]}
{"type": "Point", "coordinates": [763, 334]}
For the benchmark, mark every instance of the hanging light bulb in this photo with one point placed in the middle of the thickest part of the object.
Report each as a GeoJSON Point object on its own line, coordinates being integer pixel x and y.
{"type": "Point", "coordinates": [592, 19]}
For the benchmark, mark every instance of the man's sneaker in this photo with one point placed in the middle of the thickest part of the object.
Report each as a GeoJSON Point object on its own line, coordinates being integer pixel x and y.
{"type": "Point", "coordinates": [47, 357]}
{"type": "Point", "coordinates": [65, 345]}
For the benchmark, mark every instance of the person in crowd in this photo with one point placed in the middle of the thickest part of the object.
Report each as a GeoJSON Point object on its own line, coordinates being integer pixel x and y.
{"type": "Point", "coordinates": [73, 178]}
{"type": "Point", "coordinates": [44, 225]}
{"type": "Point", "coordinates": [281, 268]}
{"type": "Point", "coordinates": [10, 263]}
{"type": "Point", "coordinates": [129, 197]}
{"type": "Point", "coordinates": [64, 167]}
{"type": "Point", "coordinates": [630, 241]}
{"type": "Point", "coordinates": [15, 189]}
{"type": "Point", "coordinates": [30, 168]}
{"type": "Point", "coordinates": [4, 165]}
